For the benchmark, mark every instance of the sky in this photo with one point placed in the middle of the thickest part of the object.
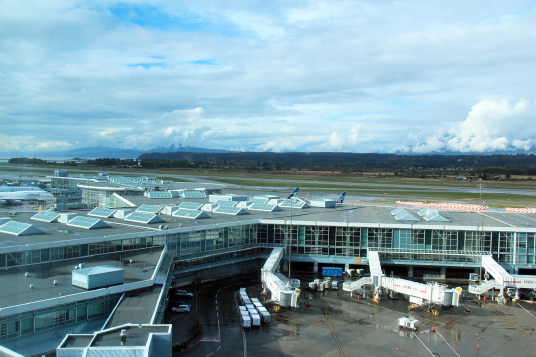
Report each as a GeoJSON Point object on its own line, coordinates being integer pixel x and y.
{"type": "Point", "coordinates": [339, 76]}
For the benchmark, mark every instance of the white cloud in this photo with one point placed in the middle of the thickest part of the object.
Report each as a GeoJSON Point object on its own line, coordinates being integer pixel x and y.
{"type": "Point", "coordinates": [308, 76]}
{"type": "Point", "coordinates": [491, 125]}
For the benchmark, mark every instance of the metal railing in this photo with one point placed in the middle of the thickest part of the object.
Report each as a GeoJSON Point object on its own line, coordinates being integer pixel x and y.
{"type": "Point", "coordinates": [482, 288]}
{"type": "Point", "coordinates": [354, 285]}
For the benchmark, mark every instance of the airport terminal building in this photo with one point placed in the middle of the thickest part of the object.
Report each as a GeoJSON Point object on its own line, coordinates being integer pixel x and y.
{"type": "Point", "coordinates": [84, 273]}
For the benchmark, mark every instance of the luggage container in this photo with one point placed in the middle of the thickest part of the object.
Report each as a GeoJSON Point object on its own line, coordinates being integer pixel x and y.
{"type": "Point", "coordinates": [327, 283]}
{"type": "Point", "coordinates": [254, 300]}
{"type": "Point", "coordinates": [243, 308]}
{"type": "Point", "coordinates": [257, 305]}
{"type": "Point", "coordinates": [334, 285]}
{"type": "Point", "coordinates": [242, 290]}
{"type": "Point", "coordinates": [255, 320]}
{"type": "Point", "coordinates": [250, 306]}
{"type": "Point", "coordinates": [246, 321]}
{"type": "Point", "coordinates": [244, 312]}
{"type": "Point", "coordinates": [312, 285]}
{"type": "Point", "coordinates": [265, 315]}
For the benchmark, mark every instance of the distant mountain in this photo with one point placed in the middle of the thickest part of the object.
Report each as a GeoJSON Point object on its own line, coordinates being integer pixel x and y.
{"type": "Point", "coordinates": [84, 153]}
{"type": "Point", "coordinates": [105, 152]}
{"type": "Point", "coordinates": [181, 148]}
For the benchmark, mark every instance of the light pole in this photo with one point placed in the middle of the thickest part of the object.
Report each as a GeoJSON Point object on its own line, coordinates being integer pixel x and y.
{"type": "Point", "coordinates": [290, 244]}
{"type": "Point", "coordinates": [480, 197]}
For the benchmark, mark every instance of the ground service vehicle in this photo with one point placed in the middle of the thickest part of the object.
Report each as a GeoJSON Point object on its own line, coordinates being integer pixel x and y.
{"type": "Point", "coordinates": [184, 293]}
{"type": "Point", "coordinates": [181, 308]}
{"type": "Point", "coordinates": [409, 323]}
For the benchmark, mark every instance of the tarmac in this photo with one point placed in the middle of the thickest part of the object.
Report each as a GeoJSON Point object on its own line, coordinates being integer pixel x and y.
{"type": "Point", "coordinates": [334, 323]}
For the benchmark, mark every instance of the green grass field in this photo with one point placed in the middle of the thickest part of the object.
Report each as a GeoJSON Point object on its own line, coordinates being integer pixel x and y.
{"type": "Point", "coordinates": [421, 189]}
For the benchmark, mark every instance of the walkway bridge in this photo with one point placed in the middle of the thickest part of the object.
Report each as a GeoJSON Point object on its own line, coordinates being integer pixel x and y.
{"type": "Point", "coordinates": [430, 293]}
{"type": "Point", "coordinates": [284, 291]}
{"type": "Point", "coordinates": [502, 280]}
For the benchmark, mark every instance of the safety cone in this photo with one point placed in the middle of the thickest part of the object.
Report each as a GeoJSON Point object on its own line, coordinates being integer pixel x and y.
{"type": "Point", "coordinates": [478, 347]}
{"type": "Point", "coordinates": [433, 329]}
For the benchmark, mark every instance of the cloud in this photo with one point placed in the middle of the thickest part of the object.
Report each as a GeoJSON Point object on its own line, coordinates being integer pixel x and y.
{"type": "Point", "coordinates": [307, 76]}
{"type": "Point", "coordinates": [491, 125]}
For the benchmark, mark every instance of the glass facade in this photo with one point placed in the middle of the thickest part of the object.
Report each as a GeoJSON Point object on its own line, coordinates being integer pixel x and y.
{"type": "Point", "coordinates": [78, 250]}
{"type": "Point", "coordinates": [506, 247]}
{"type": "Point", "coordinates": [61, 315]}
{"type": "Point", "coordinates": [355, 241]}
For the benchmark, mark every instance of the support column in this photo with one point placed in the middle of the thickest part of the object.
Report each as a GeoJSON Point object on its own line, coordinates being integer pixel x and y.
{"type": "Point", "coordinates": [315, 268]}
{"type": "Point", "coordinates": [284, 265]}
{"type": "Point", "coordinates": [443, 272]}
{"type": "Point", "coordinates": [346, 266]}
{"type": "Point", "coordinates": [410, 271]}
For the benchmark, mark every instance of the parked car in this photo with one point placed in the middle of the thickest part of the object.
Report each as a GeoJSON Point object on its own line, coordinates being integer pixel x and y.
{"type": "Point", "coordinates": [177, 303]}
{"type": "Point", "coordinates": [184, 293]}
{"type": "Point", "coordinates": [181, 308]}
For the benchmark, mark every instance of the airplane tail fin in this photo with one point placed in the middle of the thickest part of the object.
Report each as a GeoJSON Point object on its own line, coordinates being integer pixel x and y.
{"type": "Point", "coordinates": [341, 198]}
{"type": "Point", "coordinates": [294, 193]}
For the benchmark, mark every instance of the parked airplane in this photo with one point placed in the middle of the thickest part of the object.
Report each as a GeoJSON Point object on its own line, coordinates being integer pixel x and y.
{"type": "Point", "coordinates": [19, 197]}
{"type": "Point", "coordinates": [341, 198]}
{"type": "Point", "coordinates": [18, 188]}
{"type": "Point", "coordinates": [294, 193]}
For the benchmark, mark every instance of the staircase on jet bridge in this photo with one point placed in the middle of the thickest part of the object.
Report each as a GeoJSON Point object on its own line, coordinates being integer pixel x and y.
{"type": "Point", "coordinates": [503, 279]}
{"type": "Point", "coordinates": [354, 285]}
{"type": "Point", "coordinates": [431, 292]}
{"type": "Point", "coordinates": [497, 271]}
{"type": "Point", "coordinates": [482, 288]}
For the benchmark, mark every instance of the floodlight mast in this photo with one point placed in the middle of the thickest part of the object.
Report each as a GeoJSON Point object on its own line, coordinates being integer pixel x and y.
{"type": "Point", "coordinates": [290, 240]}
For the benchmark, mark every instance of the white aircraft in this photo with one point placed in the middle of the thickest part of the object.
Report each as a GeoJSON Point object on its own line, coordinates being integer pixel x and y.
{"type": "Point", "coordinates": [18, 197]}
{"type": "Point", "coordinates": [18, 188]}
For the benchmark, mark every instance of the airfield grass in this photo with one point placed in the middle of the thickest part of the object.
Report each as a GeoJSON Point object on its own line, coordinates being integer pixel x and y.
{"type": "Point", "coordinates": [337, 183]}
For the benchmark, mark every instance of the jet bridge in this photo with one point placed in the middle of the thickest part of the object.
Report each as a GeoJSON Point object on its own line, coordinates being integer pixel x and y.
{"type": "Point", "coordinates": [502, 280]}
{"type": "Point", "coordinates": [284, 291]}
{"type": "Point", "coordinates": [430, 293]}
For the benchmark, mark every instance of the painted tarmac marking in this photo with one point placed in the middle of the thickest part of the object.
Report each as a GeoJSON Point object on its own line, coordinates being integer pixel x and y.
{"type": "Point", "coordinates": [452, 348]}
{"type": "Point", "coordinates": [423, 343]}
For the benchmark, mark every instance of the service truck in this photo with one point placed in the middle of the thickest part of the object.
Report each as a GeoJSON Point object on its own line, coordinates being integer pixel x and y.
{"type": "Point", "coordinates": [409, 323]}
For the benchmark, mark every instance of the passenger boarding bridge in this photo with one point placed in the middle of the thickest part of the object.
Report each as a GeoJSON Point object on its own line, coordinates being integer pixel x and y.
{"type": "Point", "coordinates": [435, 293]}
{"type": "Point", "coordinates": [431, 293]}
{"type": "Point", "coordinates": [284, 291]}
{"type": "Point", "coordinates": [502, 280]}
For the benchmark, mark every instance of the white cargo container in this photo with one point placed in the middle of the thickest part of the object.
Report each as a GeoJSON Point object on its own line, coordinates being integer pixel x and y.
{"type": "Point", "coordinates": [334, 285]}
{"type": "Point", "coordinates": [252, 311]}
{"type": "Point", "coordinates": [257, 305]}
{"type": "Point", "coordinates": [242, 290]}
{"type": "Point", "coordinates": [246, 321]}
{"type": "Point", "coordinates": [97, 277]}
{"type": "Point", "coordinates": [244, 312]}
{"type": "Point", "coordinates": [255, 320]}
{"type": "Point", "coordinates": [265, 315]}
{"type": "Point", "coordinates": [254, 300]}
{"type": "Point", "coordinates": [243, 308]}
{"type": "Point", "coordinates": [250, 306]}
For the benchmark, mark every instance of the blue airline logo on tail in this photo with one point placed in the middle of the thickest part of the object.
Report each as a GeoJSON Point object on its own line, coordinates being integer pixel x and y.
{"type": "Point", "coordinates": [294, 193]}
{"type": "Point", "coordinates": [341, 198]}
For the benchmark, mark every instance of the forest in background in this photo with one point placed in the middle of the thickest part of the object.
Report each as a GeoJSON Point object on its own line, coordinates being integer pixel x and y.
{"type": "Point", "coordinates": [482, 166]}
